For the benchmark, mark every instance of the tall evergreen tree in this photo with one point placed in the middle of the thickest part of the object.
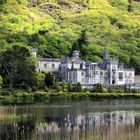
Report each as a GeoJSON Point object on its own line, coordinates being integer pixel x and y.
{"type": "Point", "coordinates": [83, 40]}
{"type": "Point", "coordinates": [78, 87]}
{"type": "Point", "coordinates": [75, 46]}
{"type": "Point", "coordinates": [81, 44]}
{"type": "Point", "coordinates": [49, 79]}
{"type": "Point", "coordinates": [69, 86]}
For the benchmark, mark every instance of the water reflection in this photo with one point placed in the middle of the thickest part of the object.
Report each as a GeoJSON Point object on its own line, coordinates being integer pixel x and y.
{"type": "Point", "coordinates": [15, 123]}
{"type": "Point", "coordinates": [69, 122]}
{"type": "Point", "coordinates": [109, 126]}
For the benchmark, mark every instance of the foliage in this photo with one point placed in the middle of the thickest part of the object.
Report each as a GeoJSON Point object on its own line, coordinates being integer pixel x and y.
{"type": "Point", "coordinates": [29, 89]}
{"type": "Point", "coordinates": [104, 90]}
{"type": "Point", "coordinates": [80, 43]}
{"type": "Point", "coordinates": [49, 79]}
{"type": "Point", "coordinates": [63, 85]}
{"type": "Point", "coordinates": [18, 67]}
{"type": "Point", "coordinates": [46, 89]}
{"type": "Point", "coordinates": [58, 87]}
{"type": "Point", "coordinates": [78, 87]}
{"type": "Point", "coordinates": [40, 80]}
{"type": "Point", "coordinates": [5, 92]}
{"type": "Point", "coordinates": [98, 88]}
{"type": "Point", "coordinates": [58, 27]}
{"type": "Point", "coordinates": [134, 91]}
{"type": "Point", "coordinates": [114, 89]}
{"type": "Point", "coordinates": [34, 88]}
{"type": "Point", "coordinates": [69, 86]}
{"type": "Point", "coordinates": [1, 81]}
{"type": "Point", "coordinates": [40, 96]}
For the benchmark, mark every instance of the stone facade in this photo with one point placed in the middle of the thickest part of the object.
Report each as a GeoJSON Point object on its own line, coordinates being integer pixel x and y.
{"type": "Point", "coordinates": [108, 72]}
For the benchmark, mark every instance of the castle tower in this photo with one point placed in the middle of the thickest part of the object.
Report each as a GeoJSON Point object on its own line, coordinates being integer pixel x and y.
{"type": "Point", "coordinates": [76, 55]}
{"type": "Point", "coordinates": [105, 55]}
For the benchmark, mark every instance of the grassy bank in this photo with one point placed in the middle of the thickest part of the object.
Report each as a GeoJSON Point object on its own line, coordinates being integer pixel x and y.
{"type": "Point", "coordinates": [24, 97]}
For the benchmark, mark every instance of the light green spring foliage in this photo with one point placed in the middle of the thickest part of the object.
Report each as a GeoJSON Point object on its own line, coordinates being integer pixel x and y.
{"type": "Point", "coordinates": [54, 25]}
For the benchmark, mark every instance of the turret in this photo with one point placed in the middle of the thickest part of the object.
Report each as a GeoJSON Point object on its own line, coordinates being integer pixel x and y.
{"type": "Point", "coordinates": [75, 55]}
{"type": "Point", "coordinates": [105, 55]}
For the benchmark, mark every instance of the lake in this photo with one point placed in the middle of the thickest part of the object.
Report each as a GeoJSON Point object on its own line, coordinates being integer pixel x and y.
{"type": "Point", "coordinates": [114, 119]}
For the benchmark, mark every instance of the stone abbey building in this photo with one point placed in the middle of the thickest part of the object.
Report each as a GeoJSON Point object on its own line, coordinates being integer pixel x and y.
{"type": "Point", "coordinates": [108, 72]}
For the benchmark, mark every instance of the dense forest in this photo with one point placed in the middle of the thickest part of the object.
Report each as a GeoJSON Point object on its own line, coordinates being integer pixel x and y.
{"type": "Point", "coordinates": [56, 27]}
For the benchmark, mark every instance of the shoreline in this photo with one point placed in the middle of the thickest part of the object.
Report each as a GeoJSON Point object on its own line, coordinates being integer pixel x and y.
{"type": "Point", "coordinates": [33, 97]}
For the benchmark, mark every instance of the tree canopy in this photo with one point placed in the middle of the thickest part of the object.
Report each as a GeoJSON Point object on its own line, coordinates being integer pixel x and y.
{"type": "Point", "coordinates": [56, 27]}
{"type": "Point", "coordinates": [18, 67]}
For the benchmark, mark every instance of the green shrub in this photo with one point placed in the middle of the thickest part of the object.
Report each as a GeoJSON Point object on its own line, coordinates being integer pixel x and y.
{"type": "Point", "coordinates": [9, 99]}
{"type": "Point", "coordinates": [78, 87]}
{"type": "Point", "coordinates": [98, 88]}
{"type": "Point", "coordinates": [39, 96]}
{"type": "Point", "coordinates": [40, 80]}
{"type": "Point", "coordinates": [69, 86]}
{"type": "Point", "coordinates": [134, 91]}
{"type": "Point", "coordinates": [29, 89]}
{"type": "Point", "coordinates": [86, 90]}
{"type": "Point", "coordinates": [116, 89]}
{"type": "Point", "coordinates": [34, 88]}
{"type": "Point", "coordinates": [46, 89]}
{"type": "Point", "coordinates": [63, 85]}
{"type": "Point", "coordinates": [58, 88]}
{"type": "Point", "coordinates": [104, 90]}
{"type": "Point", "coordinates": [5, 93]}
{"type": "Point", "coordinates": [23, 86]}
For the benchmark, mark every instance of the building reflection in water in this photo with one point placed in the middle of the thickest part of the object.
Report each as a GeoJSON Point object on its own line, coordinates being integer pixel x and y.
{"type": "Point", "coordinates": [31, 124]}
{"type": "Point", "coordinates": [119, 125]}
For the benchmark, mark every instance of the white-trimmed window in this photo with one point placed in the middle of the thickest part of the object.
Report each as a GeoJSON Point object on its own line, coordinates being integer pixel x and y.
{"type": "Point", "coordinates": [130, 74]}
{"type": "Point", "coordinates": [96, 72]}
{"type": "Point", "coordinates": [101, 73]}
{"type": "Point", "coordinates": [120, 76]}
{"type": "Point", "coordinates": [45, 65]}
{"type": "Point", "coordinates": [82, 73]}
{"type": "Point", "coordinates": [53, 65]}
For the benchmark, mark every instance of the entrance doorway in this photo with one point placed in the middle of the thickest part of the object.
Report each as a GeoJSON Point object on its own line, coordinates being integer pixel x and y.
{"type": "Point", "coordinates": [113, 82]}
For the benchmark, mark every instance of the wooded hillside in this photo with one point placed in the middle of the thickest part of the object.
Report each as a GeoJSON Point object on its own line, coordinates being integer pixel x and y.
{"type": "Point", "coordinates": [56, 27]}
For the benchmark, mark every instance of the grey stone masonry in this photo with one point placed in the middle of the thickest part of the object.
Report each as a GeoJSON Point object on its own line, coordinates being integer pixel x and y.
{"type": "Point", "coordinates": [107, 72]}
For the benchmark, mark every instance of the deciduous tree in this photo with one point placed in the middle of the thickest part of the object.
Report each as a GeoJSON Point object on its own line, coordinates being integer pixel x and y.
{"type": "Point", "coordinates": [18, 67]}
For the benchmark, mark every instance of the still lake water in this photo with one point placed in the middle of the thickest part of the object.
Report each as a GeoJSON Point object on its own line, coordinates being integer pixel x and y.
{"type": "Point", "coordinates": [72, 120]}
